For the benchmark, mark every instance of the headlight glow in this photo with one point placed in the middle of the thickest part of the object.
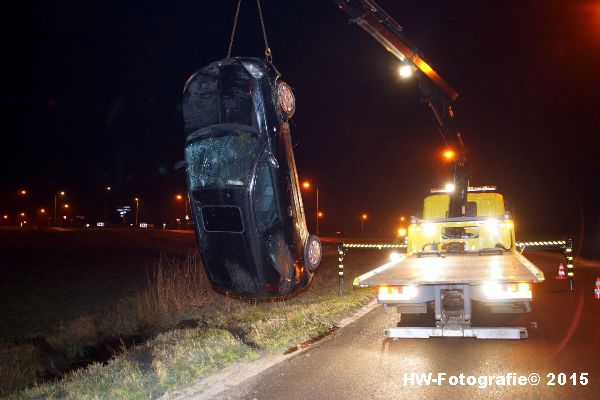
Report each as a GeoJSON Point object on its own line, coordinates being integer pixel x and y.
{"type": "Point", "coordinates": [394, 256]}
{"type": "Point", "coordinates": [491, 224]}
{"type": "Point", "coordinates": [429, 229]}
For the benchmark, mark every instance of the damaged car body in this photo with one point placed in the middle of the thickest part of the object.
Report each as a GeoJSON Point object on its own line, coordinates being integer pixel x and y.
{"type": "Point", "coordinates": [242, 180]}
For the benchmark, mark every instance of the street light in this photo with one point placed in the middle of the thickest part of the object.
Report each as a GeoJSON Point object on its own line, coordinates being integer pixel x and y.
{"type": "Point", "coordinates": [449, 154]}
{"type": "Point", "coordinates": [61, 193]}
{"type": "Point", "coordinates": [41, 211]}
{"type": "Point", "coordinates": [106, 192]}
{"type": "Point", "coordinates": [66, 207]}
{"type": "Point", "coordinates": [23, 192]}
{"type": "Point", "coordinates": [137, 207]}
{"type": "Point", "coordinates": [307, 185]}
{"type": "Point", "coordinates": [363, 218]}
{"type": "Point", "coordinates": [180, 197]}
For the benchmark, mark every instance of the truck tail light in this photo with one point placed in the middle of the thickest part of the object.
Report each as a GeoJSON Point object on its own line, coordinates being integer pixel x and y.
{"type": "Point", "coordinates": [396, 293]}
{"type": "Point", "coordinates": [507, 291]}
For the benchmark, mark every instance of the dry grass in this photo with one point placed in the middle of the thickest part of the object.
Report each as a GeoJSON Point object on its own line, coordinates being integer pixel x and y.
{"type": "Point", "coordinates": [173, 288]}
{"type": "Point", "coordinates": [224, 332]}
{"type": "Point", "coordinates": [19, 364]}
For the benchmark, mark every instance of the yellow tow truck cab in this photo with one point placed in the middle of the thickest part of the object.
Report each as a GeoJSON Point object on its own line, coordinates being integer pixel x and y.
{"type": "Point", "coordinates": [486, 225]}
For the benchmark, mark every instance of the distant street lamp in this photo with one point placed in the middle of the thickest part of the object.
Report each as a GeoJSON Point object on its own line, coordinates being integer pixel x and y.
{"type": "Point", "coordinates": [307, 185]}
{"type": "Point", "coordinates": [180, 197]}
{"type": "Point", "coordinates": [23, 192]}
{"type": "Point", "coordinates": [41, 211]}
{"type": "Point", "coordinates": [137, 207]}
{"type": "Point", "coordinates": [61, 193]}
{"type": "Point", "coordinates": [66, 207]}
{"type": "Point", "coordinates": [363, 218]}
{"type": "Point", "coordinates": [106, 192]}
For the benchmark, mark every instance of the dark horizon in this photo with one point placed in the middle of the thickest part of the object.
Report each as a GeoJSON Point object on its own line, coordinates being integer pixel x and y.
{"type": "Point", "coordinates": [95, 93]}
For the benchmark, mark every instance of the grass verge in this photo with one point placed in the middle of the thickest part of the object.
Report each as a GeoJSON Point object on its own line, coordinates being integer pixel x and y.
{"type": "Point", "coordinates": [207, 333]}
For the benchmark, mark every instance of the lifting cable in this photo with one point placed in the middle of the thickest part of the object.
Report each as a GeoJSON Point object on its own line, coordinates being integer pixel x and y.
{"type": "Point", "coordinates": [268, 53]}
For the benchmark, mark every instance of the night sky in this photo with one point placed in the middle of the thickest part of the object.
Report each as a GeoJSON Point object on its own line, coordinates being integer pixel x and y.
{"type": "Point", "coordinates": [94, 99]}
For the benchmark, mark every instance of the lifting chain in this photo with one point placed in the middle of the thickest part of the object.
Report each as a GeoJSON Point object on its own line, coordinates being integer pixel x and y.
{"type": "Point", "coordinates": [268, 53]}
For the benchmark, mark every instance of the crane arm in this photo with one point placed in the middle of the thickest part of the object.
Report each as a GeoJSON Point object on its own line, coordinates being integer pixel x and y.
{"type": "Point", "coordinates": [438, 97]}
{"type": "Point", "coordinates": [383, 28]}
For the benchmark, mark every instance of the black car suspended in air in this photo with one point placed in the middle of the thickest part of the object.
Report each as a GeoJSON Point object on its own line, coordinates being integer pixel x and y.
{"type": "Point", "coordinates": [242, 180]}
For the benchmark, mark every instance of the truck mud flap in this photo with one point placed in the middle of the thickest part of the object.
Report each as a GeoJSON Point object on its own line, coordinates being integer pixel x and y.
{"type": "Point", "coordinates": [472, 332]}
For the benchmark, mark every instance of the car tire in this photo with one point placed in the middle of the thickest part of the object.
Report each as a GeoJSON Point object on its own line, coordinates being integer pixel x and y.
{"type": "Point", "coordinates": [313, 253]}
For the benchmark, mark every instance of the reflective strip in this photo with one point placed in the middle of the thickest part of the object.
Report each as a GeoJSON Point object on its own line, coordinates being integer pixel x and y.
{"type": "Point", "coordinates": [341, 273]}
{"type": "Point", "coordinates": [570, 273]}
{"type": "Point", "coordinates": [375, 245]}
{"type": "Point", "coordinates": [341, 266]}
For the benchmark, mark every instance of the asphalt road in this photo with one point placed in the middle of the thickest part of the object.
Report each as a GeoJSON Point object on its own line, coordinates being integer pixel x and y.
{"type": "Point", "coordinates": [359, 363]}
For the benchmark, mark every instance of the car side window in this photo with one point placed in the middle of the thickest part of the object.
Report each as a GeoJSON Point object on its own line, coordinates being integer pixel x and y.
{"type": "Point", "coordinates": [265, 204]}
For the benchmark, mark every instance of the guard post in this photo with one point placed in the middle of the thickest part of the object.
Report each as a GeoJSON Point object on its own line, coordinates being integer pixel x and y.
{"type": "Point", "coordinates": [341, 253]}
{"type": "Point", "coordinates": [569, 261]}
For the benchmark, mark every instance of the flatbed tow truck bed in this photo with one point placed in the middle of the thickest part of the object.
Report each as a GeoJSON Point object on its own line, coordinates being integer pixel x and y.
{"type": "Point", "coordinates": [450, 281]}
{"type": "Point", "coordinates": [466, 268]}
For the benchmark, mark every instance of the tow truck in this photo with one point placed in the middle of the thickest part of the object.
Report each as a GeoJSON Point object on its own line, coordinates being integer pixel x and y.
{"type": "Point", "coordinates": [463, 249]}
{"type": "Point", "coordinates": [451, 262]}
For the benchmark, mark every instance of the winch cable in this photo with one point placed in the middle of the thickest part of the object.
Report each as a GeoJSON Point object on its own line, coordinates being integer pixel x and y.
{"type": "Point", "coordinates": [235, 20]}
{"type": "Point", "coordinates": [268, 52]}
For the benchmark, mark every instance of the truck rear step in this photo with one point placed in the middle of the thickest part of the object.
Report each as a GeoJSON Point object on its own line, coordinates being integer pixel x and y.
{"type": "Point", "coordinates": [456, 331]}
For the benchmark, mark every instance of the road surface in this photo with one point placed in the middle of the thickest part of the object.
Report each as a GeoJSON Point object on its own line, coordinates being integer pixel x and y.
{"type": "Point", "coordinates": [359, 363]}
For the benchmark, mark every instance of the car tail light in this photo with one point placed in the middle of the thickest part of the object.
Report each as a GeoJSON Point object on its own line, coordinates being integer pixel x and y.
{"type": "Point", "coordinates": [507, 291]}
{"type": "Point", "coordinates": [396, 292]}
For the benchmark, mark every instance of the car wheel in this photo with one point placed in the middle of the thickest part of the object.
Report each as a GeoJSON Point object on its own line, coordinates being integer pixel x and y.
{"type": "Point", "coordinates": [313, 252]}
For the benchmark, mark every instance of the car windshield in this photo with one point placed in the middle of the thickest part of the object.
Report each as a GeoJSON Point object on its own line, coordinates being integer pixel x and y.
{"type": "Point", "coordinates": [220, 161]}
